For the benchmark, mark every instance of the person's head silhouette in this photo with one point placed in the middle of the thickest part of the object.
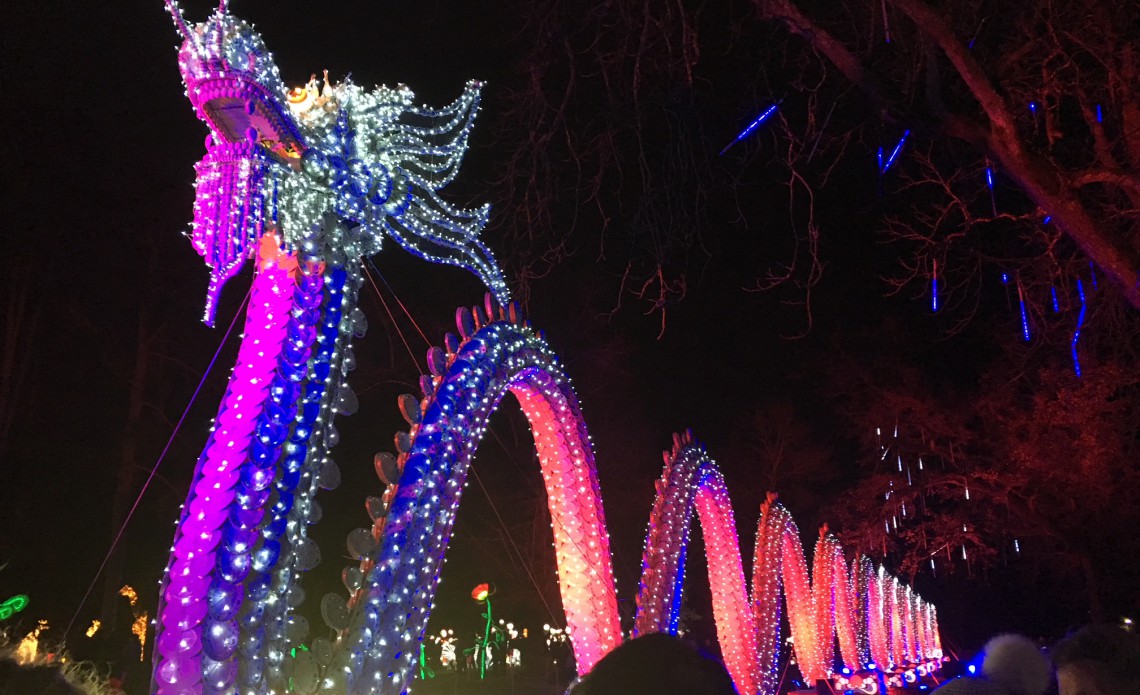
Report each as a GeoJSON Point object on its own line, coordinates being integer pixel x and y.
{"type": "Point", "coordinates": [655, 664]}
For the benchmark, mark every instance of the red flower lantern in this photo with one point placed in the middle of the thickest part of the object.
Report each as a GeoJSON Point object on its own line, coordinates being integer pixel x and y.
{"type": "Point", "coordinates": [481, 592]}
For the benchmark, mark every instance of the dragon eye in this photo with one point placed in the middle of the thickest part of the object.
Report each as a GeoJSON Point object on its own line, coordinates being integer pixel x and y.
{"type": "Point", "coordinates": [296, 95]}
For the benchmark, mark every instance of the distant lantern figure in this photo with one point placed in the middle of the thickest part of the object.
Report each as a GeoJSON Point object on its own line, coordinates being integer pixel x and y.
{"type": "Point", "coordinates": [446, 640]}
{"type": "Point", "coordinates": [13, 606]}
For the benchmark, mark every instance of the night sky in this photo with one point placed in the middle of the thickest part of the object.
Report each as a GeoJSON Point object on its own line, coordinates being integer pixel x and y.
{"type": "Point", "coordinates": [97, 190]}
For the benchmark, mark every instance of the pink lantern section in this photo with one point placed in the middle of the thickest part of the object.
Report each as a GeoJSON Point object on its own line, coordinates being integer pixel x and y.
{"type": "Point", "coordinates": [868, 613]}
{"type": "Point", "coordinates": [692, 480]}
{"type": "Point", "coordinates": [496, 354]}
{"type": "Point", "coordinates": [581, 542]}
{"type": "Point", "coordinates": [876, 620]}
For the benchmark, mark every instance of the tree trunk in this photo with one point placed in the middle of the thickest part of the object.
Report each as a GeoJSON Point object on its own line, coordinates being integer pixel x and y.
{"type": "Point", "coordinates": [127, 475]}
{"type": "Point", "coordinates": [1050, 194]}
{"type": "Point", "coordinates": [1092, 587]}
{"type": "Point", "coordinates": [20, 317]}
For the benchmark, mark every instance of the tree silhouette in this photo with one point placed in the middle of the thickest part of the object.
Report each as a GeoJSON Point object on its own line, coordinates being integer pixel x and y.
{"type": "Point", "coordinates": [1022, 467]}
{"type": "Point", "coordinates": [781, 453]}
{"type": "Point", "coordinates": [1017, 127]}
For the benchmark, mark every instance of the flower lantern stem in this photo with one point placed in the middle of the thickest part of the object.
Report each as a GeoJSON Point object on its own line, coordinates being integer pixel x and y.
{"type": "Point", "coordinates": [486, 642]}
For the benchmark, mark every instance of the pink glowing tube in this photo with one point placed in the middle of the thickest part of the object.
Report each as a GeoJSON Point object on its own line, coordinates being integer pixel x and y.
{"type": "Point", "coordinates": [195, 546]}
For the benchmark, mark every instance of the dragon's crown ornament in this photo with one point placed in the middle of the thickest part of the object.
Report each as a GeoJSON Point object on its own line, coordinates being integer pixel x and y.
{"type": "Point", "coordinates": [285, 159]}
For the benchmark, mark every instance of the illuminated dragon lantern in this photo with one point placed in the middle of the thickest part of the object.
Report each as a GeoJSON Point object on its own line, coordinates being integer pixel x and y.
{"type": "Point", "coordinates": [307, 182]}
{"type": "Point", "coordinates": [283, 159]}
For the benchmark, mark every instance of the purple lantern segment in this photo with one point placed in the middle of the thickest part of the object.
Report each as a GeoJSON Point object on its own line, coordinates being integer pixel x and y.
{"type": "Point", "coordinates": [195, 546]}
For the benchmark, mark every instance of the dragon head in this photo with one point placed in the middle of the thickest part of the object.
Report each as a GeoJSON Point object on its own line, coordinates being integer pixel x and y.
{"type": "Point", "coordinates": [285, 160]}
{"type": "Point", "coordinates": [234, 84]}
{"type": "Point", "coordinates": [236, 89]}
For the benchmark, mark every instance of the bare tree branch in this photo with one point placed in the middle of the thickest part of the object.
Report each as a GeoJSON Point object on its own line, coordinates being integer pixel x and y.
{"type": "Point", "coordinates": [1043, 182]}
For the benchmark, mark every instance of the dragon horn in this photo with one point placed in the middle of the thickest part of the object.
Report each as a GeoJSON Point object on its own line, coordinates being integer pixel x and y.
{"type": "Point", "coordinates": [221, 25]}
{"type": "Point", "coordinates": [179, 20]}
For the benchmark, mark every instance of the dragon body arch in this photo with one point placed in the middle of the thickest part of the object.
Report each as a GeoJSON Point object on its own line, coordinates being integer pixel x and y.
{"type": "Point", "coordinates": [870, 614]}
{"type": "Point", "coordinates": [235, 576]}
